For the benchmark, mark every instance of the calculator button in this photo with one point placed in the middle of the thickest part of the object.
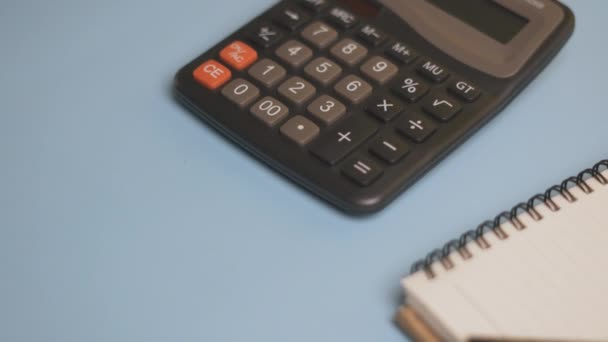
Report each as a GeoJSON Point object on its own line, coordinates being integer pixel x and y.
{"type": "Point", "coordinates": [354, 89]}
{"type": "Point", "coordinates": [327, 109]}
{"type": "Point", "coordinates": [212, 74]}
{"type": "Point", "coordinates": [433, 71]}
{"type": "Point", "coordinates": [267, 72]}
{"type": "Point", "coordinates": [297, 90]}
{"type": "Point", "coordinates": [441, 107]}
{"type": "Point", "coordinates": [362, 171]}
{"type": "Point", "coordinates": [266, 35]}
{"type": "Point", "coordinates": [401, 52]}
{"type": "Point", "coordinates": [384, 107]}
{"type": "Point", "coordinates": [239, 55]}
{"type": "Point", "coordinates": [270, 110]}
{"type": "Point", "coordinates": [349, 51]}
{"type": "Point", "coordinates": [371, 35]}
{"type": "Point", "coordinates": [241, 92]}
{"type": "Point", "coordinates": [379, 69]}
{"type": "Point", "coordinates": [300, 130]}
{"type": "Point", "coordinates": [465, 90]}
{"type": "Point", "coordinates": [410, 88]}
{"type": "Point", "coordinates": [416, 127]}
{"type": "Point", "coordinates": [294, 53]}
{"type": "Point", "coordinates": [319, 34]}
{"type": "Point", "coordinates": [343, 18]}
{"type": "Point", "coordinates": [291, 18]}
{"type": "Point", "coordinates": [340, 141]}
{"type": "Point", "coordinates": [323, 70]}
{"type": "Point", "coordinates": [390, 149]}
{"type": "Point", "coordinates": [315, 5]}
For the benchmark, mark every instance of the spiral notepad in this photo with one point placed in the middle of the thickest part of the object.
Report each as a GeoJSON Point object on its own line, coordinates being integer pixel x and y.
{"type": "Point", "coordinates": [538, 272]}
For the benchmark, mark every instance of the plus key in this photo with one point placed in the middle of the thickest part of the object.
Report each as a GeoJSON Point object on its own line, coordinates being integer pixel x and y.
{"type": "Point", "coordinates": [336, 144]}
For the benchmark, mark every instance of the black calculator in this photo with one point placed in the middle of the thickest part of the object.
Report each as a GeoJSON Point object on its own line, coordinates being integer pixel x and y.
{"type": "Point", "coordinates": [356, 99]}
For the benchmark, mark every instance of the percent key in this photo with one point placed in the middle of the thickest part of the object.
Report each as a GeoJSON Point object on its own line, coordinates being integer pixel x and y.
{"type": "Point", "coordinates": [410, 88]}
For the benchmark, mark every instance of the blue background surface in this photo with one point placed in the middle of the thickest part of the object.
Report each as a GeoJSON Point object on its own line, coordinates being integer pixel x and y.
{"type": "Point", "coordinates": [123, 218]}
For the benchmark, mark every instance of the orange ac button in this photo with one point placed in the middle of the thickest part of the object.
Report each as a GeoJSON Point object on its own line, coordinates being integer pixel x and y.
{"type": "Point", "coordinates": [212, 74]}
{"type": "Point", "coordinates": [239, 55]}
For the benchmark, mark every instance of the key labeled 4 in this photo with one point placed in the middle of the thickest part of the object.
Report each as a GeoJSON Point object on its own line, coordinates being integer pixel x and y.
{"type": "Point", "coordinates": [239, 55]}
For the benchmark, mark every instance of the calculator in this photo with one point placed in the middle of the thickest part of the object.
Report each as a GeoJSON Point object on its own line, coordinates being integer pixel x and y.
{"type": "Point", "coordinates": [355, 100]}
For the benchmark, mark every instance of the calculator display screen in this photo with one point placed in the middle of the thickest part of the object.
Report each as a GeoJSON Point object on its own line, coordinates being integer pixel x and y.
{"type": "Point", "coordinates": [363, 8]}
{"type": "Point", "coordinates": [486, 16]}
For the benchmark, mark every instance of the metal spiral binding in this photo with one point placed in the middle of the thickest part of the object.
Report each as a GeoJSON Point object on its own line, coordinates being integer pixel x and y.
{"type": "Point", "coordinates": [442, 255]}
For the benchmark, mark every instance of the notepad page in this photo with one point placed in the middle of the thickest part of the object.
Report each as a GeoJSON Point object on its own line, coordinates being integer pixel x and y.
{"type": "Point", "coordinates": [547, 281]}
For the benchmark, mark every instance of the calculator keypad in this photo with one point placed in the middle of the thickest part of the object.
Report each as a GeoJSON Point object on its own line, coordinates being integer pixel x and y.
{"type": "Point", "coordinates": [241, 92]}
{"type": "Point", "coordinates": [297, 90]}
{"type": "Point", "coordinates": [349, 52]}
{"type": "Point", "coordinates": [362, 170]}
{"type": "Point", "coordinates": [401, 52]}
{"type": "Point", "coordinates": [294, 53]}
{"type": "Point", "coordinates": [267, 72]}
{"type": "Point", "coordinates": [336, 144]}
{"type": "Point", "coordinates": [411, 88]}
{"type": "Point", "coordinates": [342, 18]}
{"type": "Point", "coordinates": [327, 109]}
{"type": "Point", "coordinates": [266, 35]}
{"type": "Point", "coordinates": [384, 107]}
{"type": "Point", "coordinates": [212, 74]}
{"type": "Point", "coordinates": [319, 34]}
{"type": "Point", "coordinates": [464, 90]}
{"type": "Point", "coordinates": [323, 70]}
{"type": "Point", "coordinates": [300, 130]}
{"type": "Point", "coordinates": [341, 90]}
{"type": "Point", "coordinates": [239, 55]}
{"type": "Point", "coordinates": [416, 126]}
{"type": "Point", "coordinates": [432, 71]}
{"type": "Point", "coordinates": [354, 89]}
{"type": "Point", "coordinates": [371, 35]}
{"type": "Point", "coordinates": [441, 107]}
{"type": "Point", "coordinates": [390, 149]}
{"type": "Point", "coordinates": [379, 69]}
{"type": "Point", "coordinates": [270, 110]}
{"type": "Point", "coordinates": [291, 18]}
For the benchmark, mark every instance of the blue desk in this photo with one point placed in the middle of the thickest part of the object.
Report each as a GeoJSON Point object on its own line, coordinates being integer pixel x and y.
{"type": "Point", "coordinates": [123, 218]}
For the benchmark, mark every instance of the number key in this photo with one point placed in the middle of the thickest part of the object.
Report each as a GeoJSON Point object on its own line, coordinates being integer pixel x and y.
{"type": "Point", "coordinates": [379, 69]}
{"type": "Point", "coordinates": [327, 109]}
{"type": "Point", "coordinates": [349, 51]}
{"type": "Point", "coordinates": [240, 92]}
{"type": "Point", "coordinates": [319, 34]}
{"type": "Point", "coordinates": [353, 88]}
{"type": "Point", "coordinates": [297, 90]}
{"type": "Point", "coordinates": [267, 72]}
{"type": "Point", "coordinates": [271, 111]}
{"type": "Point", "coordinates": [323, 70]}
{"type": "Point", "coordinates": [294, 53]}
